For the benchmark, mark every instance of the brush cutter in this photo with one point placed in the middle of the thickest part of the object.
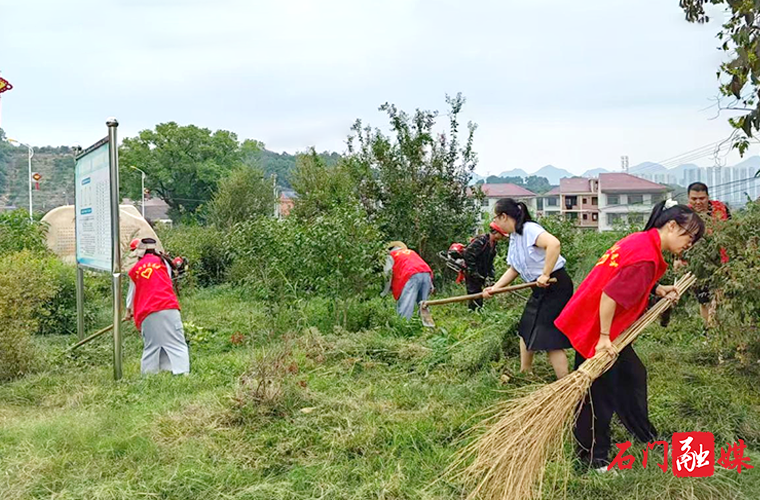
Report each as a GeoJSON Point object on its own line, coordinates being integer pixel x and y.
{"type": "Point", "coordinates": [427, 317]}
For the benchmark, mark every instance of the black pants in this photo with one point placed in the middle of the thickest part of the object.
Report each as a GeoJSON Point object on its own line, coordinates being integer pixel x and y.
{"type": "Point", "coordinates": [474, 285]}
{"type": "Point", "coordinates": [622, 390]}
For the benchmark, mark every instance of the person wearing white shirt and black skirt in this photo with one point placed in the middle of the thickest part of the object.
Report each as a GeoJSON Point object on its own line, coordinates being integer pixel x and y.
{"type": "Point", "coordinates": [534, 255]}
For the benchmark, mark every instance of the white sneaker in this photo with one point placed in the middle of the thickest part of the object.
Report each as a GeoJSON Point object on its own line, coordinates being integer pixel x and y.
{"type": "Point", "coordinates": [604, 470]}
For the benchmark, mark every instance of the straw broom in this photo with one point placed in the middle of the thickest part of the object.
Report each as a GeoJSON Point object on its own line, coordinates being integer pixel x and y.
{"type": "Point", "coordinates": [508, 460]}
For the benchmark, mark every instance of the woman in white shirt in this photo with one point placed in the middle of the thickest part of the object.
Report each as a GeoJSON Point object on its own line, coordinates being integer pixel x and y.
{"type": "Point", "coordinates": [534, 255]}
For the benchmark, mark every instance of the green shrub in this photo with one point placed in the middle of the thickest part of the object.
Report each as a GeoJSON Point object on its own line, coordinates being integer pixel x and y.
{"type": "Point", "coordinates": [17, 233]}
{"type": "Point", "coordinates": [244, 194]}
{"type": "Point", "coordinates": [335, 255]}
{"type": "Point", "coordinates": [27, 285]}
{"type": "Point", "coordinates": [203, 246]}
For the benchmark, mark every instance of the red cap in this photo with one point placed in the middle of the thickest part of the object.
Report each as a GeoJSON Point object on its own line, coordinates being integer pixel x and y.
{"type": "Point", "coordinates": [456, 247]}
{"type": "Point", "coordinates": [133, 244]}
{"type": "Point", "coordinates": [495, 227]}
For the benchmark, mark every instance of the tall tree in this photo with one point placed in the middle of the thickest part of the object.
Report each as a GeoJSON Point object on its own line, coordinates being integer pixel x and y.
{"type": "Point", "coordinates": [322, 187]}
{"type": "Point", "coordinates": [739, 76]}
{"type": "Point", "coordinates": [415, 182]}
{"type": "Point", "coordinates": [183, 165]}
{"type": "Point", "coordinates": [242, 195]}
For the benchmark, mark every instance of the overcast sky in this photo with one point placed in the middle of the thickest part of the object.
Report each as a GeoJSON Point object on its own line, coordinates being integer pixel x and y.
{"type": "Point", "coordinates": [574, 84]}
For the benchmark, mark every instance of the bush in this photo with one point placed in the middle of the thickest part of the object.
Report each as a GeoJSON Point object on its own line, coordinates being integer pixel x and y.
{"type": "Point", "coordinates": [334, 255]}
{"type": "Point", "coordinates": [17, 233]}
{"type": "Point", "coordinates": [204, 248]}
{"type": "Point", "coordinates": [244, 194]}
{"type": "Point", "coordinates": [27, 285]}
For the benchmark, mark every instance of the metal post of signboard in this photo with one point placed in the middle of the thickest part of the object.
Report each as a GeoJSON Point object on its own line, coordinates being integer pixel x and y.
{"type": "Point", "coordinates": [80, 271]}
{"type": "Point", "coordinates": [113, 162]}
{"type": "Point", "coordinates": [80, 302]}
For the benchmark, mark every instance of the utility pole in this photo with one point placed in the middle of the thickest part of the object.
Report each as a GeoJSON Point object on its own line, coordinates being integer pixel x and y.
{"type": "Point", "coordinates": [624, 163]}
{"type": "Point", "coordinates": [276, 201]}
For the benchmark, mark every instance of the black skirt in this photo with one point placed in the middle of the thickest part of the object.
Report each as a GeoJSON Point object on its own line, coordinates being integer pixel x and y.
{"type": "Point", "coordinates": [545, 304]}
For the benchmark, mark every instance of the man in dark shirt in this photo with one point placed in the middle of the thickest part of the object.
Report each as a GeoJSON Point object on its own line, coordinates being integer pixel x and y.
{"type": "Point", "coordinates": [479, 256]}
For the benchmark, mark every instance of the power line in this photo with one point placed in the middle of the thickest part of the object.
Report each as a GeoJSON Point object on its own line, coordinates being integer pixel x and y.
{"type": "Point", "coordinates": [675, 193]}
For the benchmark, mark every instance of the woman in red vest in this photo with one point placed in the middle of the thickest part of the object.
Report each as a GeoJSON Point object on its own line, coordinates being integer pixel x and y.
{"type": "Point", "coordinates": [411, 280]}
{"type": "Point", "coordinates": [608, 301]}
{"type": "Point", "coordinates": [152, 303]}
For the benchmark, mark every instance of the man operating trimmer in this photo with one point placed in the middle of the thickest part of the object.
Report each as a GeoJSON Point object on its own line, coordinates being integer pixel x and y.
{"type": "Point", "coordinates": [411, 278]}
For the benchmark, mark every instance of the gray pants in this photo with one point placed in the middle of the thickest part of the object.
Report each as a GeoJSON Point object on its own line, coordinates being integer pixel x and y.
{"type": "Point", "coordinates": [164, 346]}
{"type": "Point", "coordinates": [415, 291]}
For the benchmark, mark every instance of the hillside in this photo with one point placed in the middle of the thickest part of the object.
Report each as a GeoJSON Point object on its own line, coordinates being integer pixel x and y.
{"type": "Point", "coordinates": [56, 164]}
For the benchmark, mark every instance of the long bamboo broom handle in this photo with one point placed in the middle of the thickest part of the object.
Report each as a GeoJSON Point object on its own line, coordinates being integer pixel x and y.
{"type": "Point", "coordinates": [632, 332]}
{"type": "Point", "coordinates": [474, 296]}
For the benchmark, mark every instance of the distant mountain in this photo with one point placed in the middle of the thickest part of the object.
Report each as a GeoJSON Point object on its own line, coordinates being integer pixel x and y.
{"type": "Point", "coordinates": [647, 167]}
{"type": "Point", "coordinates": [553, 174]}
{"type": "Point", "coordinates": [751, 162]}
{"type": "Point", "coordinates": [594, 172]}
{"type": "Point", "coordinates": [476, 178]}
{"type": "Point", "coordinates": [516, 172]}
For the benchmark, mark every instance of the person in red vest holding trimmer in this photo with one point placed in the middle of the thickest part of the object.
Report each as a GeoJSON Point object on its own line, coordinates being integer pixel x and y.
{"type": "Point", "coordinates": [152, 303]}
{"type": "Point", "coordinates": [700, 202]}
{"type": "Point", "coordinates": [609, 300]}
{"type": "Point", "coordinates": [411, 280]}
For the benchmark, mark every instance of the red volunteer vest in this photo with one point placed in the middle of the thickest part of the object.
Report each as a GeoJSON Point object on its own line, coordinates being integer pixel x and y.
{"type": "Point", "coordinates": [579, 320]}
{"type": "Point", "coordinates": [405, 264]}
{"type": "Point", "coordinates": [153, 288]}
{"type": "Point", "coordinates": [720, 212]}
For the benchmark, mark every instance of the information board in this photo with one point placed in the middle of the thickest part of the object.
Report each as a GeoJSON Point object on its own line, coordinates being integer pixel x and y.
{"type": "Point", "coordinates": [93, 207]}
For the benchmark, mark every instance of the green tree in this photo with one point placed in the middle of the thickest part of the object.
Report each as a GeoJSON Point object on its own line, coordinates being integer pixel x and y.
{"type": "Point", "coordinates": [183, 165]}
{"type": "Point", "coordinates": [321, 187]}
{"type": "Point", "coordinates": [495, 179]}
{"type": "Point", "coordinates": [415, 183]}
{"type": "Point", "coordinates": [739, 76]}
{"type": "Point", "coordinates": [242, 195]}
{"type": "Point", "coordinates": [284, 165]}
{"type": "Point", "coordinates": [537, 184]}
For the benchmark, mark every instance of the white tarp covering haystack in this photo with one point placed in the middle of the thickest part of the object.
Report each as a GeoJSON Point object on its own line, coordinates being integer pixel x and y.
{"type": "Point", "coordinates": [61, 236]}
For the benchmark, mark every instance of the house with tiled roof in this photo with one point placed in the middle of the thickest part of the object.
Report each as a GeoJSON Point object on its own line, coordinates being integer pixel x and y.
{"type": "Point", "coordinates": [579, 201]}
{"type": "Point", "coordinates": [548, 203]}
{"type": "Point", "coordinates": [494, 192]}
{"type": "Point", "coordinates": [626, 199]}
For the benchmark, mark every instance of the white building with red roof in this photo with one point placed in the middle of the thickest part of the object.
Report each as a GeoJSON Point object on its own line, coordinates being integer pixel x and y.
{"type": "Point", "coordinates": [548, 203]}
{"type": "Point", "coordinates": [494, 192]}
{"type": "Point", "coordinates": [626, 199]}
{"type": "Point", "coordinates": [579, 201]}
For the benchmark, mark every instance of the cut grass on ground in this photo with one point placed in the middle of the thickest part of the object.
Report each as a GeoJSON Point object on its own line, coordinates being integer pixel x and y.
{"type": "Point", "coordinates": [344, 415]}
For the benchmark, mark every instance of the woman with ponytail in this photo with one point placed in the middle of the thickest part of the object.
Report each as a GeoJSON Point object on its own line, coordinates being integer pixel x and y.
{"type": "Point", "coordinates": [608, 301]}
{"type": "Point", "coordinates": [534, 255]}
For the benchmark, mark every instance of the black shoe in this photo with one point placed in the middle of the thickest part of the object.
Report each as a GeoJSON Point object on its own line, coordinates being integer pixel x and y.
{"type": "Point", "coordinates": [665, 318]}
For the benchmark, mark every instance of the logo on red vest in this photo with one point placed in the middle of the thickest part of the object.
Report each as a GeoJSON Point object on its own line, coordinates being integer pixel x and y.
{"type": "Point", "coordinates": [610, 256]}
